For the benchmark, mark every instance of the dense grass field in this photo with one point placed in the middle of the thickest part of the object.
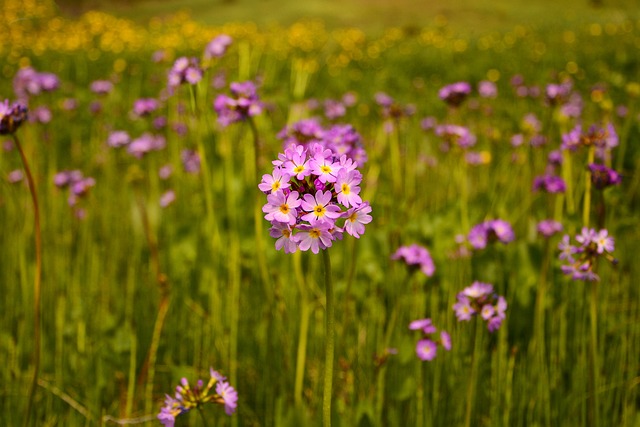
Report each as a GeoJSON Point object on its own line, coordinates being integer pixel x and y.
{"type": "Point", "coordinates": [152, 261]}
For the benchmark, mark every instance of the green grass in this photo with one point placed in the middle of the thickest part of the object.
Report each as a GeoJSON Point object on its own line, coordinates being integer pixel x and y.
{"type": "Point", "coordinates": [106, 312]}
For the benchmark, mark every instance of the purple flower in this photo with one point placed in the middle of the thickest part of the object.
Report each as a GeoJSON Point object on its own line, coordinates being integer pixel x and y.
{"type": "Point", "coordinates": [242, 104]}
{"type": "Point", "coordinates": [481, 234]}
{"type": "Point", "coordinates": [11, 117]}
{"type": "Point", "coordinates": [549, 227]}
{"type": "Point", "coordinates": [228, 395]}
{"type": "Point", "coordinates": [549, 183]}
{"type": "Point", "coordinates": [15, 176]}
{"type": "Point", "coordinates": [487, 89]}
{"type": "Point", "coordinates": [426, 348]}
{"type": "Point", "coordinates": [356, 218]}
{"type": "Point", "coordinates": [455, 93]}
{"type": "Point", "coordinates": [556, 94]}
{"type": "Point", "coordinates": [146, 143]}
{"type": "Point", "coordinates": [145, 106]}
{"type": "Point", "coordinates": [281, 207]}
{"type": "Point", "coordinates": [480, 299]}
{"type": "Point", "coordinates": [315, 236]}
{"type": "Point", "coordinates": [190, 161]}
{"type": "Point", "coordinates": [118, 138]}
{"type": "Point", "coordinates": [218, 46]}
{"type": "Point", "coordinates": [101, 87]}
{"type": "Point", "coordinates": [579, 261]}
{"type": "Point", "coordinates": [603, 177]}
{"type": "Point", "coordinates": [334, 109]}
{"type": "Point", "coordinates": [456, 135]}
{"type": "Point", "coordinates": [416, 256]}
{"type": "Point", "coordinates": [167, 198]}
{"type": "Point", "coordinates": [184, 70]}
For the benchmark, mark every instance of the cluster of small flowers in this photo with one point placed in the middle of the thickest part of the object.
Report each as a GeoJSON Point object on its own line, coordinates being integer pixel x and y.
{"type": "Point", "coordinates": [548, 227]}
{"type": "Point", "coordinates": [521, 89]}
{"type": "Point", "coordinates": [489, 231]}
{"type": "Point", "coordinates": [603, 177]}
{"type": "Point", "coordinates": [455, 135]}
{"type": "Point", "coordinates": [11, 116]}
{"type": "Point", "coordinates": [145, 106]}
{"type": "Point", "coordinates": [184, 70]}
{"type": "Point", "coordinates": [580, 260]}
{"type": "Point", "coordinates": [549, 183]}
{"type": "Point", "coordinates": [28, 82]}
{"type": "Point", "coordinates": [187, 398]}
{"type": "Point", "coordinates": [242, 104]}
{"type": "Point", "coordinates": [454, 94]}
{"type": "Point", "coordinates": [604, 138]}
{"type": "Point", "coordinates": [417, 257]}
{"type": "Point", "coordinates": [190, 161]}
{"type": "Point", "coordinates": [480, 299]}
{"type": "Point", "coordinates": [101, 87]}
{"type": "Point", "coordinates": [309, 191]}
{"type": "Point", "coordinates": [217, 47]}
{"type": "Point", "coordinates": [78, 185]}
{"type": "Point", "coordinates": [558, 94]}
{"type": "Point", "coordinates": [427, 347]}
{"type": "Point", "coordinates": [342, 139]}
{"type": "Point", "coordinates": [137, 147]}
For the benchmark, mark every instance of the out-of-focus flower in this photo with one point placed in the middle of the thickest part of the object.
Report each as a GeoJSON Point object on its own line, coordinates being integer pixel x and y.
{"type": "Point", "coordinates": [11, 116]}
{"type": "Point", "coordinates": [218, 46]}
{"type": "Point", "coordinates": [416, 256]}
{"type": "Point", "coordinates": [426, 348]}
{"type": "Point", "coordinates": [603, 177]}
{"type": "Point", "coordinates": [454, 94]}
{"type": "Point", "coordinates": [455, 135]}
{"type": "Point", "coordinates": [549, 184]}
{"type": "Point", "coordinates": [242, 104]}
{"type": "Point", "coordinates": [494, 230]}
{"type": "Point", "coordinates": [487, 89]}
{"type": "Point", "coordinates": [101, 87]}
{"type": "Point", "coordinates": [549, 227]}
{"type": "Point", "coordinates": [479, 299]}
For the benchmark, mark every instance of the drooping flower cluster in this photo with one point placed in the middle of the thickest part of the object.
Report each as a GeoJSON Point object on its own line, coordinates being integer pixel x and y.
{"type": "Point", "coordinates": [455, 93]}
{"type": "Point", "coordinates": [603, 177]}
{"type": "Point", "coordinates": [11, 116]}
{"type": "Point", "coordinates": [342, 139]}
{"type": "Point", "coordinates": [480, 299]}
{"type": "Point", "coordinates": [427, 347]}
{"type": "Point", "coordinates": [313, 197]}
{"type": "Point", "coordinates": [187, 397]}
{"type": "Point", "coordinates": [417, 257]}
{"type": "Point", "coordinates": [580, 259]}
{"type": "Point", "coordinates": [602, 137]}
{"type": "Point", "coordinates": [489, 231]}
{"type": "Point", "coordinates": [242, 104]}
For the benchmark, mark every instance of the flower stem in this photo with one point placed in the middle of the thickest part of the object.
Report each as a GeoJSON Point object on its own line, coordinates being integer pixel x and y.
{"type": "Point", "coordinates": [587, 189]}
{"type": "Point", "coordinates": [473, 375]}
{"type": "Point", "coordinates": [594, 371]}
{"type": "Point", "coordinates": [36, 280]}
{"type": "Point", "coordinates": [330, 341]}
{"type": "Point", "coordinates": [301, 356]}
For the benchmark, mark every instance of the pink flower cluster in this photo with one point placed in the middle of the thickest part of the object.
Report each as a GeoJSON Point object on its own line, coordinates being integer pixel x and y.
{"type": "Point", "coordinates": [427, 347]}
{"type": "Point", "coordinates": [580, 260]}
{"type": "Point", "coordinates": [313, 197]}
{"type": "Point", "coordinates": [480, 299]}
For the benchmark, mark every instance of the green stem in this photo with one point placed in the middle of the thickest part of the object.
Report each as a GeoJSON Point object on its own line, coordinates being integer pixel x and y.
{"type": "Point", "coordinates": [301, 355]}
{"type": "Point", "coordinates": [566, 176]}
{"type": "Point", "coordinates": [36, 280]}
{"type": "Point", "coordinates": [330, 341]}
{"type": "Point", "coordinates": [202, 417]}
{"type": "Point", "coordinates": [471, 387]}
{"type": "Point", "coordinates": [594, 371]}
{"type": "Point", "coordinates": [587, 189]}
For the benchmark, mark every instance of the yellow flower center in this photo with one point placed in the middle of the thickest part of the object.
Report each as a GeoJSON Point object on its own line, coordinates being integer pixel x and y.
{"type": "Point", "coordinates": [299, 169]}
{"type": "Point", "coordinates": [345, 188]}
{"type": "Point", "coordinates": [325, 169]}
{"type": "Point", "coordinates": [284, 208]}
{"type": "Point", "coordinates": [275, 186]}
{"type": "Point", "coordinates": [319, 210]}
{"type": "Point", "coordinates": [315, 233]}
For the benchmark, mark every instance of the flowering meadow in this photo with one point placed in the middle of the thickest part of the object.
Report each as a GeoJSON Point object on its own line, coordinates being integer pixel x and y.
{"type": "Point", "coordinates": [303, 226]}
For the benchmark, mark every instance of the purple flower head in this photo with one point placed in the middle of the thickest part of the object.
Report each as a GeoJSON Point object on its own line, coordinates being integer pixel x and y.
{"type": "Point", "coordinates": [101, 87]}
{"type": "Point", "coordinates": [11, 116]}
{"type": "Point", "coordinates": [455, 93]}
{"type": "Point", "coordinates": [334, 109]}
{"type": "Point", "coordinates": [28, 82]}
{"type": "Point", "coordinates": [416, 256]}
{"type": "Point", "coordinates": [480, 299]}
{"type": "Point", "coordinates": [556, 94]}
{"type": "Point", "coordinates": [190, 161]}
{"type": "Point", "coordinates": [549, 184]}
{"type": "Point", "coordinates": [426, 348]}
{"type": "Point", "coordinates": [167, 198]}
{"type": "Point", "coordinates": [456, 135]}
{"type": "Point", "coordinates": [343, 139]}
{"type": "Point", "coordinates": [184, 70]}
{"type": "Point", "coordinates": [603, 177]}
{"type": "Point", "coordinates": [303, 132]}
{"type": "Point", "coordinates": [549, 227]}
{"type": "Point", "coordinates": [313, 198]}
{"type": "Point", "coordinates": [242, 104]}
{"type": "Point", "coordinates": [228, 396]}
{"type": "Point", "coordinates": [145, 106]}
{"type": "Point", "coordinates": [218, 46]}
{"type": "Point", "coordinates": [579, 261]}
{"type": "Point", "coordinates": [146, 143]}
{"type": "Point", "coordinates": [15, 176]}
{"type": "Point", "coordinates": [495, 230]}
{"type": "Point", "coordinates": [118, 138]}
{"type": "Point", "coordinates": [487, 89]}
